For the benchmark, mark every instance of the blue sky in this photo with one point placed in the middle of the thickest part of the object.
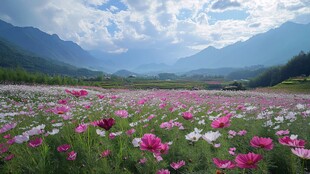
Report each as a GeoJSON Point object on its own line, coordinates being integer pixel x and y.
{"type": "Point", "coordinates": [116, 26]}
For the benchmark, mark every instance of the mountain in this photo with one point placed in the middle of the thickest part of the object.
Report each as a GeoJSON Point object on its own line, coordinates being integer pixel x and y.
{"type": "Point", "coordinates": [125, 73]}
{"type": "Point", "coordinates": [47, 46]}
{"type": "Point", "coordinates": [11, 56]}
{"type": "Point", "coordinates": [274, 47]}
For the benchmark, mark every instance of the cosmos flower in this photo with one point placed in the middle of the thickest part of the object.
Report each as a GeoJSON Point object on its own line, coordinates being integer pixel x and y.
{"type": "Point", "coordinates": [71, 156]}
{"type": "Point", "coordinates": [287, 141]}
{"type": "Point", "coordinates": [150, 143]}
{"type": "Point", "coordinates": [35, 143]}
{"type": "Point", "coordinates": [105, 153]}
{"type": "Point", "coordinates": [61, 109]}
{"type": "Point", "coordinates": [193, 136]}
{"type": "Point", "coordinates": [105, 123]}
{"type": "Point", "coordinates": [261, 142]}
{"type": "Point", "coordinates": [63, 148]}
{"type": "Point", "coordinates": [221, 122]}
{"type": "Point", "coordinates": [163, 171]}
{"type": "Point", "coordinates": [301, 152]}
{"type": "Point", "coordinates": [121, 113]}
{"type": "Point", "coordinates": [187, 115]}
{"type": "Point", "coordinates": [177, 165]}
{"type": "Point", "coordinates": [224, 164]}
{"type": "Point", "coordinates": [211, 136]}
{"type": "Point", "coordinates": [81, 128]}
{"type": "Point", "coordinates": [248, 161]}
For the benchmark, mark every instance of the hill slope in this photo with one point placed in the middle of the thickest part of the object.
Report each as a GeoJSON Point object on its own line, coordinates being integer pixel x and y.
{"type": "Point", "coordinates": [271, 48]}
{"type": "Point", "coordinates": [45, 45]}
{"type": "Point", "coordinates": [12, 56]}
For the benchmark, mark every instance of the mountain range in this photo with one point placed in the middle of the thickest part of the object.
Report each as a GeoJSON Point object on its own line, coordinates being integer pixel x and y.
{"type": "Point", "coordinates": [273, 47]}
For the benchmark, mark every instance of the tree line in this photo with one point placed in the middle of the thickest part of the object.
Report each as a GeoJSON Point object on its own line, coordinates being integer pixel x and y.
{"type": "Point", "coordinates": [297, 66]}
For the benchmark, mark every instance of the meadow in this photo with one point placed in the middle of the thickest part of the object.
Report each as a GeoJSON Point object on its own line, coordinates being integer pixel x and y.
{"type": "Point", "coordinates": [57, 129]}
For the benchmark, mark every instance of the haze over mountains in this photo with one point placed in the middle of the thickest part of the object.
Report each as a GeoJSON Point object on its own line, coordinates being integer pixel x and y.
{"type": "Point", "coordinates": [271, 48]}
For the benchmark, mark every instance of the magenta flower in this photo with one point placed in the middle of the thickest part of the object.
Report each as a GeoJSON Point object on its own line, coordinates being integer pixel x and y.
{"type": "Point", "coordinates": [302, 153]}
{"type": "Point", "coordinates": [221, 122]}
{"type": "Point", "coordinates": [187, 115]}
{"type": "Point", "coordinates": [287, 141]}
{"type": "Point", "coordinates": [261, 142]}
{"type": "Point", "coordinates": [105, 153]}
{"type": "Point", "coordinates": [130, 131]}
{"type": "Point", "coordinates": [242, 132]}
{"type": "Point", "coordinates": [142, 161]}
{"type": "Point", "coordinates": [164, 148]}
{"type": "Point", "coordinates": [9, 157]}
{"type": "Point", "coordinates": [71, 156]}
{"type": "Point", "coordinates": [60, 109]}
{"type": "Point", "coordinates": [8, 136]}
{"type": "Point", "coordinates": [35, 143]}
{"type": "Point", "coordinates": [81, 128]}
{"type": "Point", "coordinates": [75, 93]}
{"type": "Point", "coordinates": [163, 171]}
{"type": "Point", "coordinates": [232, 151]}
{"type": "Point", "coordinates": [121, 113]}
{"type": "Point", "coordinates": [62, 101]}
{"type": "Point", "coordinates": [150, 143]}
{"type": "Point", "coordinates": [100, 96]}
{"type": "Point", "coordinates": [223, 164]}
{"type": "Point", "coordinates": [177, 165]}
{"type": "Point", "coordinates": [63, 148]}
{"type": "Point", "coordinates": [282, 132]}
{"type": "Point", "coordinates": [248, 161]}
{"type": "Point", "coordinates": [105, 123]}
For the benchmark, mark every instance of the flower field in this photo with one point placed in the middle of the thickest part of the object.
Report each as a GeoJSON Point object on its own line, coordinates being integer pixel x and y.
{"type": "Point", "coordinates": [48, 129]}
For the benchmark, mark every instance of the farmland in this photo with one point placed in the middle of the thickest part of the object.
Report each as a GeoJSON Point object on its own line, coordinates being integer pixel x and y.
{"type": "Point", "coordinates": [56, 129]}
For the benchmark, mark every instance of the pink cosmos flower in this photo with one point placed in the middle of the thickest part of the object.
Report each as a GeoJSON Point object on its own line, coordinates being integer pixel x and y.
{"type": "Point", "coordinates": [75, 93]}
{"type": "Point", "coordinates": [223, 164]}
{"type": "Point", "coordinates": [282, 132]}
{"type": "Point", "coordinates": [164, 148]}
{"type": "Point", "coordinates": [100, 96]}
{"type": "Point", "coordinates": [61, 109]}
{"type": "Point", "coordinates": [9, 157]}
{"type": "Point", "coordinates": [71, 156]}
{"type": "Point", "coordinates": [261, 142]}
{"type": "Point", "coordinates": [187, 115]}
{"type": "Point", "coordinates": [248, 161]}
{"type": "Point", "coordinates": [105, 153]}
{"type": "Point", "coordinates": [11, 141]}
{"type": "Point", "coordinates": [7, 127]}
{"type": "Point", "coordinates": [151, 117]}
{"type": "Point", "coordinates": [150, 143]}
{"type": "Point", "coordinates": [242, 132]}
{"type": "Point", "coordinates": [142, 101]}
{"type": "Point", "coordinates": [232, 151]}
{"type": "Point", "coordinates": [8, 136]}
{"type": "Point", "coordinates": [142, 161]}
{"type": "Point", "coordinates": [130, 131]}
{"type": "Point", "coordinates": [63, 148]}
{"type": "Point", "coordinates": [302, 153]}
{"type": "Point", "coordinates": [177, 165]}
{"type": "Point", "coordinates": [36, 142]}
{"type": "Point", "coordinates": [121, 113]}
{"type": "Point", "coordinates": [287, 141]}
{"type": "Point", "coordinates": [62, 101]}
{"type": "Point", "coordinates": [105, 123]}
{"type": "Point", "coordinates": [81, 128]}
{"type": "Point", "coordinates": [221, 122]}
{"type": "Point", "coordinates": [163, 171]}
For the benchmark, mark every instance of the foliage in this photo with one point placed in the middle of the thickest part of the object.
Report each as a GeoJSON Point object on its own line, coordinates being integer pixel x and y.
{"type": "Point", "coordinates": [299, 65]}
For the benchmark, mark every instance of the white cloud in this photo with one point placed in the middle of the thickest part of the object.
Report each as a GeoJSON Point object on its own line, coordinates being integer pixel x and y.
{"type": "Point", "coordinates": [152, 23]}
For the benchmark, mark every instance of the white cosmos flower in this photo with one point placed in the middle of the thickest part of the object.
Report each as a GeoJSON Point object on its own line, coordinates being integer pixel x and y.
{"type": "Point", "coordinates": [100, 132]}
{"type": "Point", "coordinates": [54, 131]}
{"type": "Point", "coordinates": [136, 142]}
{"type": "Point", "coordinates": [19, 139]}
{"type": "Point", "coordinates": [193, 136]}
{"type": "Point", "coordinates": [211, 136]}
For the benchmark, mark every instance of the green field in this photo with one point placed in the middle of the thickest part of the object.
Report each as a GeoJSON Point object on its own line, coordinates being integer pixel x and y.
{"type": "Point", "coordinates": [297, 84]}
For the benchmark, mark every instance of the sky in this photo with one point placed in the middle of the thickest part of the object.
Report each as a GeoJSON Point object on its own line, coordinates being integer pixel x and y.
{"type": "Point", "coordinates": [116, 26]}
